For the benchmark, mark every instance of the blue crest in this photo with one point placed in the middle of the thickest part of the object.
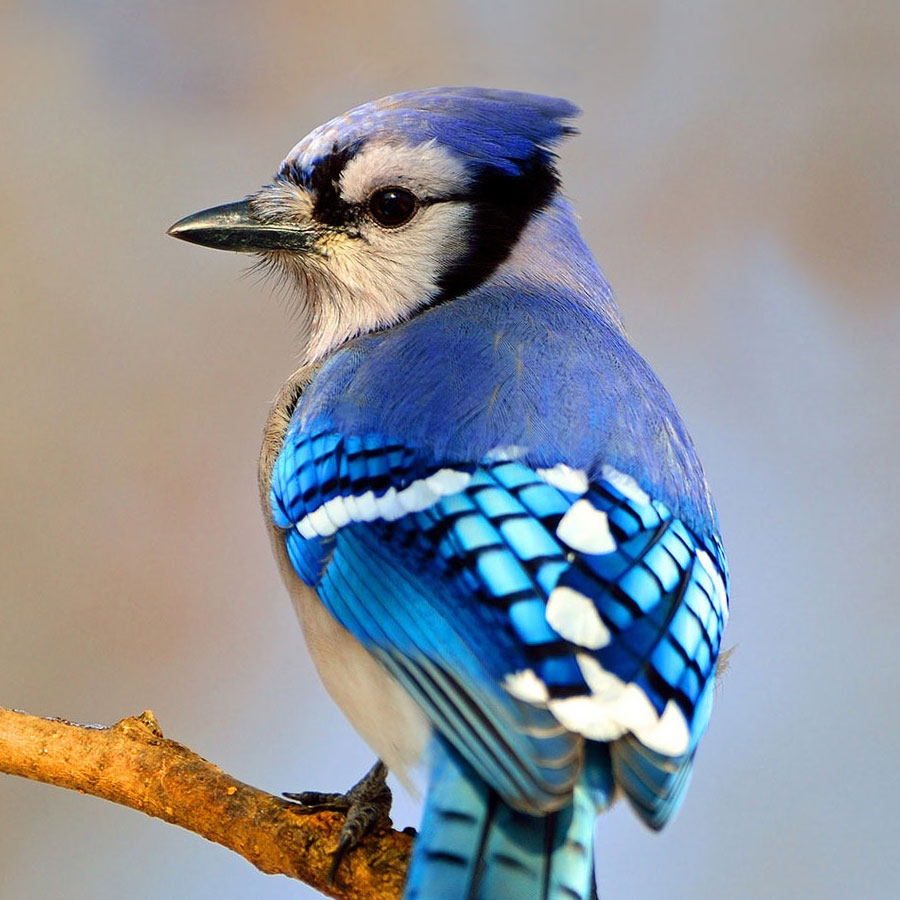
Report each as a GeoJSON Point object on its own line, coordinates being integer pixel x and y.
{"type": "Point", "coordinates": [486, 128]}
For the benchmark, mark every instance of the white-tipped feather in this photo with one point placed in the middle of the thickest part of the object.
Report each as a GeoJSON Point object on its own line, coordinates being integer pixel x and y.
{"type": "Point", "coordinates": [508, 453]}
{"type": "Point", "coordinates": [336, 510]}
{"type": "Point", "coordinates": [586, 716]}
{"type": "Point", "coordinates": [352, 509]}
{"type": "Point", "coordinates": [339, 511]}
{"type": "Point", "coordinates": [525, 685]}
{"type": "Point", "coordinates": [366, 507]}
{"type": "Point", "coordinates": [615, 707]}
{"type": "Point", "coordinates": [448, 481]}
{"type": "Point", "coordinates": [417, 496]}
{"type": "Point", "coordinates": [573, 481]}
{"type": "Point", "coordinates": [625, 485]}
{"type": "Point", "coordinates": [389, 506]}
{"type": "Point", "coordinates": [318, 523]}
{"type": "Point", "coordinates": [720, 595]}
{"type": "Point", "coordinates": [669, 735]}
{"type": "Point", "coordinates": [586, 529]}
{"type": "Point", "coordinates": [574, 617]}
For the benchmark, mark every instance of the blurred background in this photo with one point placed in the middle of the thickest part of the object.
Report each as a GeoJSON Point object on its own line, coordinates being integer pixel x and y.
{"type": "Point", "coordinates": [737, 176]}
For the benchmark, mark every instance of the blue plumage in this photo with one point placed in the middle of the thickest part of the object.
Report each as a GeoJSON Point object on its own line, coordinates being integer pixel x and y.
{"type": "Point", "coordinates": [494, 558]}
{"type": "Point", "coordinates": [516, 366]}
{"type": "Point", "coordinates": [471, 844]}
{"type": "Point", "coordinates": [485, 486]}
{"type": "Point", "coordinates": [483, 128]}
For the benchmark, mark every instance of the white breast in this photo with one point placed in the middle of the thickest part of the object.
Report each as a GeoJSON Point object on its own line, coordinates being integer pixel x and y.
{"type": "Point", "coordinates": [381, 711]}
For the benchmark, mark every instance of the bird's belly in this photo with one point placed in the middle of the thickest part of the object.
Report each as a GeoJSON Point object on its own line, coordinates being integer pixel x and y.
{"type": "Point", "coordinates": [380, 710]}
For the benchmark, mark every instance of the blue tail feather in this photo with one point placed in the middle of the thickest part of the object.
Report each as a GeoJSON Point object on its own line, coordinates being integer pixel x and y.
{"type": "Point", "coordinates": [473, 846]}
{"type": "Point", "coordinates": [654, 784]}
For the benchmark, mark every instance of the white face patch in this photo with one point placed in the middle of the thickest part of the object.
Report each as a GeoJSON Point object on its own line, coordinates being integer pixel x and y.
{"type": "Point", "coordinates": [574, 617]}
{"type": "Point", "coordinates": [427, 170]}
{"type": "Point", "coordinates": [387, 274]}
{"type": "Point", "coordinates": [356, 284]}
{"type": "Point", "coordinates": [368, 276]}
{"type": "Point", "coordinates": [586, 529]}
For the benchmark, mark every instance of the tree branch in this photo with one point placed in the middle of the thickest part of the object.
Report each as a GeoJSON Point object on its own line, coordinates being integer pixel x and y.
{"type": "Point", "coordinates": [132, 764]}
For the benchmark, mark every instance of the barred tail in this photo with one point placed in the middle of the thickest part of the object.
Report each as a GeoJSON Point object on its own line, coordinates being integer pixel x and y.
{"type": "Point", "coordinates": [472, 846]}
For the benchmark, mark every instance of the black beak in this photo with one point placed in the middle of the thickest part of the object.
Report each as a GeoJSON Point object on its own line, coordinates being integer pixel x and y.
{"type": "Point", "coordinates": [235, 227]}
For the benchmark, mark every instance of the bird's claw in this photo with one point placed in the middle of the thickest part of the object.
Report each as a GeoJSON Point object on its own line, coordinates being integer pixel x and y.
{"type": "Point", "coordinates": [367, 804]}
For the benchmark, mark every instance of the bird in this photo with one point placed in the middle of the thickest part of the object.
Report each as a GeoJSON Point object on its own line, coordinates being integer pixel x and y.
{"type": "Point", "coordinates": [490, 516]}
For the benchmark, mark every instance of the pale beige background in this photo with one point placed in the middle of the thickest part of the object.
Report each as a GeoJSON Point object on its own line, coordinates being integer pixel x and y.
{"type": "Point", "coordinates": [738, 179]}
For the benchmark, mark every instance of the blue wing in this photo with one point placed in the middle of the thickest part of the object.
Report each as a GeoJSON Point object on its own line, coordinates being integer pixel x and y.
{"type": "Point", "coordinates": [525, 609]}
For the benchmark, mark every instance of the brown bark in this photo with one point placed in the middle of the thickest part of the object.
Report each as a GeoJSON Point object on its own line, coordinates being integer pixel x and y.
{"type": "Point", "coordinates": [132, 764]}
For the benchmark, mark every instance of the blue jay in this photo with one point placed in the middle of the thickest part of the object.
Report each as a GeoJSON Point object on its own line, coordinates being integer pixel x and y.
{"type": "Point", "coordinates": [489, 514]}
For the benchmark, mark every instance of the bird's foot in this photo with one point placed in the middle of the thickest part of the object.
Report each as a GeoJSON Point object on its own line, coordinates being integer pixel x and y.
{"type": "Point", "coordinates": [367, 805]}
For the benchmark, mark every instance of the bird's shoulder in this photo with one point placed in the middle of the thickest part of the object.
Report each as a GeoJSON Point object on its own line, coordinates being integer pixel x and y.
{"type": "Point", "coordinates": [535, 373]}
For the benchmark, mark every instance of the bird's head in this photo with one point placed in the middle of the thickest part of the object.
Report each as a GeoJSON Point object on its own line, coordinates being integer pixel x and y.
{"type": "Point", "coordinates": [395, 205]}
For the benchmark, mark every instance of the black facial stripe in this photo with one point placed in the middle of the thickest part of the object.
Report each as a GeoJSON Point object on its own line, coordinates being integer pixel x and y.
{"type": "Point", "coordinates": [323, 180]}
{"type": "Point", "coordinates": [329, 208]}
{"type": "Point", "coordinates": [502, 204]}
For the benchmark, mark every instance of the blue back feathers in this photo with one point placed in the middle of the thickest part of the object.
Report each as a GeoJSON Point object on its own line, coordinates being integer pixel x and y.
{"type": "Point", "coordinates": [513, 366]}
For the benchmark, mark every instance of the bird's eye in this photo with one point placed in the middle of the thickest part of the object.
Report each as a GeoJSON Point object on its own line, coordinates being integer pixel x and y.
{"type": "Point", "coordinates": [392, 206]}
